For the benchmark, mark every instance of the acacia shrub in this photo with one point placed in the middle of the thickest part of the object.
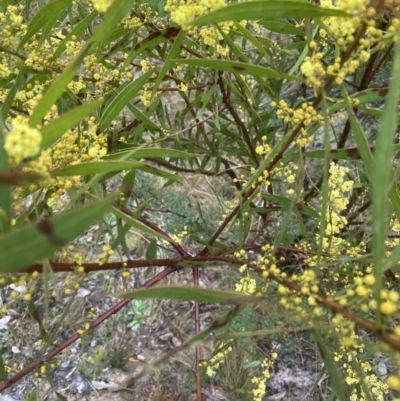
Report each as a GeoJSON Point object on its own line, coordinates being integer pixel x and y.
{"type": "Point", "coordinates": [86, 114]}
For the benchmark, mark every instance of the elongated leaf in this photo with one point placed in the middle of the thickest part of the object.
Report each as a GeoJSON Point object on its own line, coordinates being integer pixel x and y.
{"type": "Point", "coordinates": [3, 373]}
{"type": "Point", "coordinates": [381, 175]}
{"type": "Point", "coordinates": [136, 224]}
{"type": "Point", "coordinates": [142, 117]}
{"type": "Point", "coordinates": [359, 135]}
{"type": "Point", "coordinates": [125, 95]}
{"type": "Point", "coordinates": [48, 27]}
{"type": "Point", "coordinates": [5, 108]}
{"type": "Point", "coordinates": [96, 168]}
{"type": "Point", "coordinates": [281, 27]}
{"type": "Point", "coordinates": [253, 39]}
{"type": "Point", "coordinates": [151, 251]}
{"type": "Point", "coordinates": [5, 191]}
{"type": "Point", "coordinates": [160, 173]}
{"type": "Point", "coordinates": [34, 312]}
{"type": "Point", "coordinates": [43, 16]}
{"type": "Point", "coordinates": [340, 154]}
{"type": "Point", "coordinates": [238, 68]}
{"type": "Point", "coordinates": [56, 128]}
{"type": "Point", "coordinates": [334, 375]}
{"type": "Point", "coordinates": [20, 248]}
{"type": "Point", "coordinates": [253, 10]}
{"type": "Point", "coordinates": [366, 154]}
{"type": "Point", "coordinates": [186, 293]}
{"type": "Point", "coordinates": [140, 153]}
{"type": "Point", "coordinates": [375, 112]}
{"type": "Point", "coordinates": [173, 53]}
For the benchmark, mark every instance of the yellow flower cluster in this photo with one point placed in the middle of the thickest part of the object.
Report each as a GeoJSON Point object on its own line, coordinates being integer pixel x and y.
{"type": "Point", "coordinates": [147, 16]}
{"type": "Point", "coordinates": [343, 31]}
{"type": "Point", "coordinates": [306, 115]}
{"type": "Point", "coordinates": [289, 175]}
{"type": "Point", "coordinates": [351, 351]}
{"type": "Point", "coordinates": [338, 186]}
{"type": "Point", "coordinates": [23, 287]}
{"type": "Point", "coordinates": [12, 28]}
{"type": "Point", "coordinates": [232, 204]}
{"type": "Point", "coordinates": [260, 390]}
{"type": "Point", "coordinates": [84, 330]}
{"type": "Point", "coordinates": [145, 97]}
{"type": "Point", "coordinates": [213, 364]}
{"type": "Point", "coordinates": [22, 141]}
{"type": "Point", "coordinates": [184, 12]}
{"type": "Point", "coordinates": [102, 5]}
{"type": "Point", "coordinates": [73, 280]}
{"type": "Point", "coordinates": [267, 263]}
{"type": "Point", "coordinates": [247, 285]}
{"type": "Point", "coordinates": [107, 252]}
{"type": "Point", "coordinates": [66, 151]}
{"type": "Point", "coordinates": [180, 236]}
{"type": "Point", "coordinates": [264, 149]}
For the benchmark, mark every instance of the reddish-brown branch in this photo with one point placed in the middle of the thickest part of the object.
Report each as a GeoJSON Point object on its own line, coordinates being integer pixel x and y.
{"type": "Point", "coordinates": [129, 264]}
{"type": "Point", "coordinates": [197, 331]}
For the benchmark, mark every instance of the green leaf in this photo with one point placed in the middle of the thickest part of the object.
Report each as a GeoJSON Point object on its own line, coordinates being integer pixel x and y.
{"type": "Point", "coordinates": [174, 52]}
{"type": "Point", "coordinates": [48, 27]}
{"type": "Point", "coordinates": [364, 150]}
{"type": "Point", "coordinates": [151, 251]}
{"type": "Point", "coordinates": [5, 190]}
{"type": "Point", "coordinates": [11, 95]}
{"type": "Point", "coordinates": [96, 168]}
{"type": "Point", "coordinates": [359, 135]}
{"type": "Point", "coordinates": [281, 27]}
{"type": "Point", "coordinates": [187, 293]}
{"type": "Point", "coordinates": [381, 175]}
{"type": "Point", "coordinates": [3, 373]}
{"type": "Point", "coordinates": [136, 224]}
{"type": "Point", "coordinates": [238, 68]}
{"type": "Point", "coordinates": [253, 10]}
{"type": "Point", "coordinates": [334, 375]}
{"type": "Point", "coordinates": [160, 173]}
{"type": "Point", "coordinates": [341, 154]}
{"type": "Point", "coordinates": [43, 16]}
{"type": "Point", "coordinates": [34, 312]}
{"type": "Point", "coordinates": [375, 112]}
{"type": "Point", "coordinates": [124, 96]}
{"type": "Point", "coordinates": [254, 40]}
{"type": "Point", "coordinates": [143, 117]}
{"type": "Point", "coordinates": [56, 128]}
{"type": "Point", "coordinates": [139, 153]}
{"type": "Point", "coordinates": [21, 248]}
